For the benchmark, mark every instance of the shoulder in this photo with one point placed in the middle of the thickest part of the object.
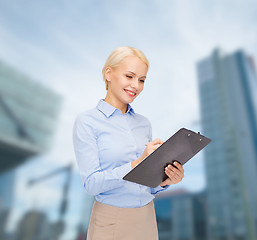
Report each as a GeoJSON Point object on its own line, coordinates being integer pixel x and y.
{"type": "Point", "coordinates": [87, 118]}
{"type": "Point", "coordinates": [87, 115]}
{"type": "Point", "coordinates": [142, 118]}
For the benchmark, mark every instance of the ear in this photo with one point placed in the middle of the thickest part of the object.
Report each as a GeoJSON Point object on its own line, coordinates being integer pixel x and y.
{"type": "Point", "coordinates": [108, 73]}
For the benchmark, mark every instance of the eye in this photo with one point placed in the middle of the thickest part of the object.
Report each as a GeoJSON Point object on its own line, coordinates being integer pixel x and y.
{"type": "Point", "coordinates": [128, 76]}
{"type": "Point", "coordinates": [142, 81]}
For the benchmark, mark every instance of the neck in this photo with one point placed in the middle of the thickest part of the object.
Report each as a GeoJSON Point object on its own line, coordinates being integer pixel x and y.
{"type": "Point", "coordinates": [123, 107]}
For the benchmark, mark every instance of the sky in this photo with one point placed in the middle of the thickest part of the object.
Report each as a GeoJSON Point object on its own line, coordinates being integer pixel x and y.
{"type": "Point", "coordinates": [64, 45]}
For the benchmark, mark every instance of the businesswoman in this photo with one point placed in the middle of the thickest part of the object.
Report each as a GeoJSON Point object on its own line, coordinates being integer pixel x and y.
{"type": "Point", "coordinates": [110, 140]}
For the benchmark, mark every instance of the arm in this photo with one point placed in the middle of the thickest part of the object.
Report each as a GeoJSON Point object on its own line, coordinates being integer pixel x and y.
{"type": "Point", "coordinates": [95, 179]}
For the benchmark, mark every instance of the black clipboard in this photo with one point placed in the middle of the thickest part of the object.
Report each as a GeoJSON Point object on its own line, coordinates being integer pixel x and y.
{"type": "Point", "coordinates": [180, 147]}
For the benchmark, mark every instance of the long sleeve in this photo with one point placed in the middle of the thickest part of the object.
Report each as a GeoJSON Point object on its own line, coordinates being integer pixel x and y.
{"type": "Point", "coordinates": [106, 141]}
{"type": "Point", "coordinates": [95, 179]}
{"type": "Point", "coordinates": [158, 189]}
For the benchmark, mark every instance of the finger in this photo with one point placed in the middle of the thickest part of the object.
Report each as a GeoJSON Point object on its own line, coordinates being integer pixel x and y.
{"type": "Point", "coordinates": [171, 179]}
{"type": "Point", "coordinates": [156, 146]}
{"type": "Point", "coordinates": [170, 173]}
{"type": "Point", "coordinates": [157, 141]}
{"type": "Point", "coordinates": [179, 166]}
{"type": "Point", "coordinates": [178, 175]}
{"type": "Point", "coordinates": [174, 178]}
{"type": "Point", "coordinates": [166, 182]}
{"type": "Point", "coordinates": [174, 169]}
{"type": "Point", "coordinates": [174, 173]}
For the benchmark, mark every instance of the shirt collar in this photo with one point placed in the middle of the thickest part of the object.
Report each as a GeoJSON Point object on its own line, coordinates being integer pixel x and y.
{"type": "Point", "coordinates": [107, 109]}
{"type": "Point", "coordinates": [130, 109]}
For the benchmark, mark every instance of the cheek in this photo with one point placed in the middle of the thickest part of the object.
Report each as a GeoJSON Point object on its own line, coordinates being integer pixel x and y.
{"type": "Point", "coordinates": [141, 88]}
{"type": "Point", "coordinates": [122, 82]}
{"type": "Point", "coordinates": [118, 83]}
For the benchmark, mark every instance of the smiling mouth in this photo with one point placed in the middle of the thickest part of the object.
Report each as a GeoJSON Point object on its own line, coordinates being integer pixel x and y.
{"type": "Point", "coordinates": [130, 93]}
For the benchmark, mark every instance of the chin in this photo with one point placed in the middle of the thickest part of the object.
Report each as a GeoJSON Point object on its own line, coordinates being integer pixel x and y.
{"type": "Point", "coordinates": [131, 101]}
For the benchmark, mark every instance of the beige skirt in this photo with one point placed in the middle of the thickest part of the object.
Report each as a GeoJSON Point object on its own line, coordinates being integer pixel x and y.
{"type": "Point", "coordinates": [114, 223]}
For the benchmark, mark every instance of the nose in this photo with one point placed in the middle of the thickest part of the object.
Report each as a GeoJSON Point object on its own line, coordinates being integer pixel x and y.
{"type": "Point", "coordinates": [134, 84]}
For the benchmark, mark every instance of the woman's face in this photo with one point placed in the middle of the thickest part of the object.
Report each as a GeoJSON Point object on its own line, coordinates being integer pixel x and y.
{"type": "Point", "coordinates": [126, 81]}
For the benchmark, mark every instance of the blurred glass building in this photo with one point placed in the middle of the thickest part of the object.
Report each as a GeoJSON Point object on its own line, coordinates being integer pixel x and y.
{"type": "Point", "coordinates": [86, 210]}
{"type": "Point", "coordinates": [7, 180]}
{"type": "Point", "coordinates": [228, 98]}
{"type": "Point", "coordinates": [33, 225]}
{"type": "Point", "coordinates": [28, 118]}
{"type": "Point", "coordinates": [28, 114]}
{"type": "Point", "coordinates": [181, 215]}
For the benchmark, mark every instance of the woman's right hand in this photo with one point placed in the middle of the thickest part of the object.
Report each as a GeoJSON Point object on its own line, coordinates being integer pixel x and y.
{"type": "Point", "coordinates": [150, 147]}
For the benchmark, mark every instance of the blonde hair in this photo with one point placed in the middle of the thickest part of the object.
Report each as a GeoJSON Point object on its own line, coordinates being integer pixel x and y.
{"type": "Point", "coordinates": [118, 55]}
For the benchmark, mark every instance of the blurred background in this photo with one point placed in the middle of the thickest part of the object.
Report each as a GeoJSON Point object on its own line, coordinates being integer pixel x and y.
{"type": "Point", "coordinates": [202, 76]}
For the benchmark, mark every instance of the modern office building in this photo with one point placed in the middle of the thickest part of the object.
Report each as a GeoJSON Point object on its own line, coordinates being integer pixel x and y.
{"type": "Point", "coordinates": [228, 98]}
{"type": "Point", "coordinates": [28, 118]}
{"type": "Point", "coordinates": [33, 226]}
{"type": "Point", "coordinates": [6, 189]}
{"type": "Point", "coordinates": [82, 227]}
{"type": "Point", "coordinates": [181, 215]}
{"type": "Point", "coordinates": [28, 114]}
{"type": "Point", "coordinates": [7, 180]}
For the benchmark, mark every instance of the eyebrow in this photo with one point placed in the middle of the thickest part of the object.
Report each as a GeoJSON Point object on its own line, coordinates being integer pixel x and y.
{"type": "Point", "coordinates": [135, 74]}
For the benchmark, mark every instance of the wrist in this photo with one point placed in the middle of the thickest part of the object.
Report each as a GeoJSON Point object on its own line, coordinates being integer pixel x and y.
{"type": "Point", "coordinates": [163, 185]}
{"type": "Point", "coordinates": [135, 162]}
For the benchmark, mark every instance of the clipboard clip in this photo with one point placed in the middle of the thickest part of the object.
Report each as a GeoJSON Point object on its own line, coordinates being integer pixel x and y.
{"type": "Point", "coordinates": [200, 138]}
{"type": "Point", "coordinates": [189, 134]}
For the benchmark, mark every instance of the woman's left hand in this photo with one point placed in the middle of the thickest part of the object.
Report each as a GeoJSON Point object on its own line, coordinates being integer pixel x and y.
{"type": "Point", "coordinates": [175, 175]}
